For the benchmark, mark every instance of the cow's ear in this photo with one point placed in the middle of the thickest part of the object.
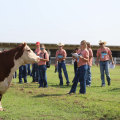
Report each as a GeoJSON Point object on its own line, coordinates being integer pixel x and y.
{"type": "Point", "coordinates": [24, 43]}
{"type": "Point", "coordinates": [20, 51]}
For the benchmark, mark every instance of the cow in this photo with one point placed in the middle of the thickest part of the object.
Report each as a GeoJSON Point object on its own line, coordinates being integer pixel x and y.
{"type": "Point", "coordinates": [10, 61]}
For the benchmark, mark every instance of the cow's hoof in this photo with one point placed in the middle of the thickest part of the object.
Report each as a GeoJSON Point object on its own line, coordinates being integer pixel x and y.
{"type": "Point", "coordinates": [1, 109]}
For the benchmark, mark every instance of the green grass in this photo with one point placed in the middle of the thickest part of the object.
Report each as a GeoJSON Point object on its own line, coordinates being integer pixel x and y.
{"type": "Point", "coordinates": [28, 102]}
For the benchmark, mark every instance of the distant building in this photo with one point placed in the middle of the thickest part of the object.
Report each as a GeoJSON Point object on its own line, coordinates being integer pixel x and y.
{"type": "Point", "coordinates": [68, 47]}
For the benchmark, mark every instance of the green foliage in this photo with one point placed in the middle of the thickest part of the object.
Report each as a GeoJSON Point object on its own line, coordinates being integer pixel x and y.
{"type": "Point", "coordinates": [28, 102]}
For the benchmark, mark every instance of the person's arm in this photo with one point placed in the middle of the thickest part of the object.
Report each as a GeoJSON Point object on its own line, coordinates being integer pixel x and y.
{"type": "Point", "coordinates": [111, 58]}
{"type": "Point", "coordinates": [97, 59]}
{"type": "Point", "coordinates": [90, 54]}
{"type": "Point", "coordinates": [74, 58]}
{"type": "Point", "coordinates": [110, 55]}
{"type": "Point", "coordinates": [46, 57]}
{"type": "Point", "coordinates": [56, 60]}
{"type": "Point", "coordinates": [83, 58]}
{"type": "Point", "coordinates": [64, 57]}
{"type": "Point", "coordinates": [42, 59]}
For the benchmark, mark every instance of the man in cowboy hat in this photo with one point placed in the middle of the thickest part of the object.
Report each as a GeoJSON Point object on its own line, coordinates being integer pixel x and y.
{"type": "Point", "coordinates": [60, 58]}
{"type": "Point", "coordinates": [104, 54]}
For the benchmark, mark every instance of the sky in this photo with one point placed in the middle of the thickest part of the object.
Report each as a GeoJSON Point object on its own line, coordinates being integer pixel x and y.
{"type": "Point", "coordinates": [54, 21]}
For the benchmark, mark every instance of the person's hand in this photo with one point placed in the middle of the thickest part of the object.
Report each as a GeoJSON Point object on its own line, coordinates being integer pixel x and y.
{"type": "Point", "coordinates": [81, 56]}
{"type": "Point", "coordinates": [96, 62]}
{"type": "Point", "coordinates": [41, 59]}
{"type": "Point", "coordinates": [113, 62]}
{"type": "Point", "coordinates": [74, 57]}
{"type": "Point", "coordinates": [60, 59]}
{"type": "Point", "coordinates": [55, 64]}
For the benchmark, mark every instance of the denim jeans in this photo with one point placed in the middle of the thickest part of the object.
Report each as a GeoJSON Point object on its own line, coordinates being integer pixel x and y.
{"type": "Point", "coordinates": [104, 68]}
{"type": "Point", "coordinates": [61, 65]}
{"type": "Point", "coordinates": [23, 73]}
{"type": "Point", "coordinates": [75, 67]}
{"type": "Point", "coordinates": [88, 76]}
{"type": "Point", "coordinates": [15, 74]}
{"type": "Point", "coordinates": [35, 72]}
{"type": "Point", "coordinates": [28, 68]}
{"type": "Point", "coordinates": [42, 75]}
{"type": "Point", "coordinates": [80, 76]}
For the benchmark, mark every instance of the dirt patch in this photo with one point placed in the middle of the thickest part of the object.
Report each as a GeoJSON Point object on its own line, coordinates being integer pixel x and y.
{"type": "Point", "coordinates": [30, 92]}
{"type": "Point", "coordinates": [1, 119]}
{"type": "Point", "coordinates": [21, 89]}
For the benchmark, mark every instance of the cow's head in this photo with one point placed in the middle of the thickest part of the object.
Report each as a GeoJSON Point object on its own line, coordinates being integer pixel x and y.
{"type": "Point", "coordinates": [27, 55]}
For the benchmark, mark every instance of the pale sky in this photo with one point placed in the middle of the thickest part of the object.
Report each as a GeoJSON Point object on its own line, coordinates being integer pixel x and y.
{"type": "Point", "coordinates": [54, 21]}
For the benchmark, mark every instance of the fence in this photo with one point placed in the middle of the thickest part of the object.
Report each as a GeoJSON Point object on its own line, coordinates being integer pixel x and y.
{"type": "Point", "coordinates": [69, 60]}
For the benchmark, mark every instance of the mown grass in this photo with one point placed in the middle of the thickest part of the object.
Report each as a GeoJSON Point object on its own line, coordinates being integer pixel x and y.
{"type": "Point", "coordinates": [28, 102]}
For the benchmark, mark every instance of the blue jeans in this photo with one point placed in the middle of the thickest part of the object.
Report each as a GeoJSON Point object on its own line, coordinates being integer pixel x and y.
{"type": "Point", "coordinates": [15, 74]}
{"type": "Point", "coordinates": [75, 67]}
{"type": "Point", "coordinates": [28, 68]}
{"type": "Point", "coordinates": [104, 68]}
{"type": "Point", "coordinates": [88, 77]}
{"type": "Point", "coordinates": [61, 65]}
{"type": "Point", "coordinates": [23, 73]}
{"type": "Point", "coordinates": [35, 72]}
{"type": "Point", "coordinates": [42, 75]}
{"type": "Point", "coordinates": [80, 76]}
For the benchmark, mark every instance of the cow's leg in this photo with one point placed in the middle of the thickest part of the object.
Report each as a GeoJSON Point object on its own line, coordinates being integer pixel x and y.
{"type": "Point", "coordinates": [1, 109]}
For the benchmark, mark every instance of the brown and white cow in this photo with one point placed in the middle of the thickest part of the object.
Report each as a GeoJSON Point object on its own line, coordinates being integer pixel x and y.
{"type": "Point", "coordinates": [10, 61]}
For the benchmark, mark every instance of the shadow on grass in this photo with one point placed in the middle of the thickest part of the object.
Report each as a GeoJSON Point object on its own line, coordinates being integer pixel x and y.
{"type": "Point", "coordinates": [34, 85]}
{"type": "Point", "coordinates": [95, 86]}
{"type": "Point", "coordinates": [47, 95]}
{"type": "Point", "coordinates": [24, 85]}
{"type": "Point", "coordinates": [115, 90]}
{"type": "Point", "coordinates": [58, 86]}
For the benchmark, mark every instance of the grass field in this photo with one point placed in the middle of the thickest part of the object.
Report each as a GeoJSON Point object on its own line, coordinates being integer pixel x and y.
{"type": "Point", "coordinates": [28, 102]}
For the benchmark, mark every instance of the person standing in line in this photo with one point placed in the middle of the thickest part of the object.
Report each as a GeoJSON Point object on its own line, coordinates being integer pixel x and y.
{"type": "Point", "coordinates": [35, 72]}
{"type": "Point", "coordinates": [88, 79]}
{"type": "Point", "coordinates": [44, 57]}
{"type": "Point", "coordinates": [75, 60]}
{"type": "Point", "coordinates": [81, 72]}
{"type": "Point", "coordinates": [104, 54]}
{"type": "Point", "coordinates": [60, 58]}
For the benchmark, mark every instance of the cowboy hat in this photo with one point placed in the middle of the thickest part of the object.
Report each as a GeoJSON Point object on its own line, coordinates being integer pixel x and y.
{"type": "Point", "coordinates": [102, 42]}
{"type": "Point", "coordinates": [60, 44]}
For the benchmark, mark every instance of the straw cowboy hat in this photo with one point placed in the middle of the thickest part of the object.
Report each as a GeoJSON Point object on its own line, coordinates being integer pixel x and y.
{"type": "Point", "coordinates": [102, 42]}
{"type": "Point", "coordinates": [60, 44]}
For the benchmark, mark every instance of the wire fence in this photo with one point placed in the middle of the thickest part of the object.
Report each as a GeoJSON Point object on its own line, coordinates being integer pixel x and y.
{"type": "Point", "coordinates": [69, 60]}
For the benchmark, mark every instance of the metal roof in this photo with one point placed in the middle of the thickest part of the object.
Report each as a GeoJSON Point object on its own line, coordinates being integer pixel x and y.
{"type": "Point", "coordinates": [54, 46]}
